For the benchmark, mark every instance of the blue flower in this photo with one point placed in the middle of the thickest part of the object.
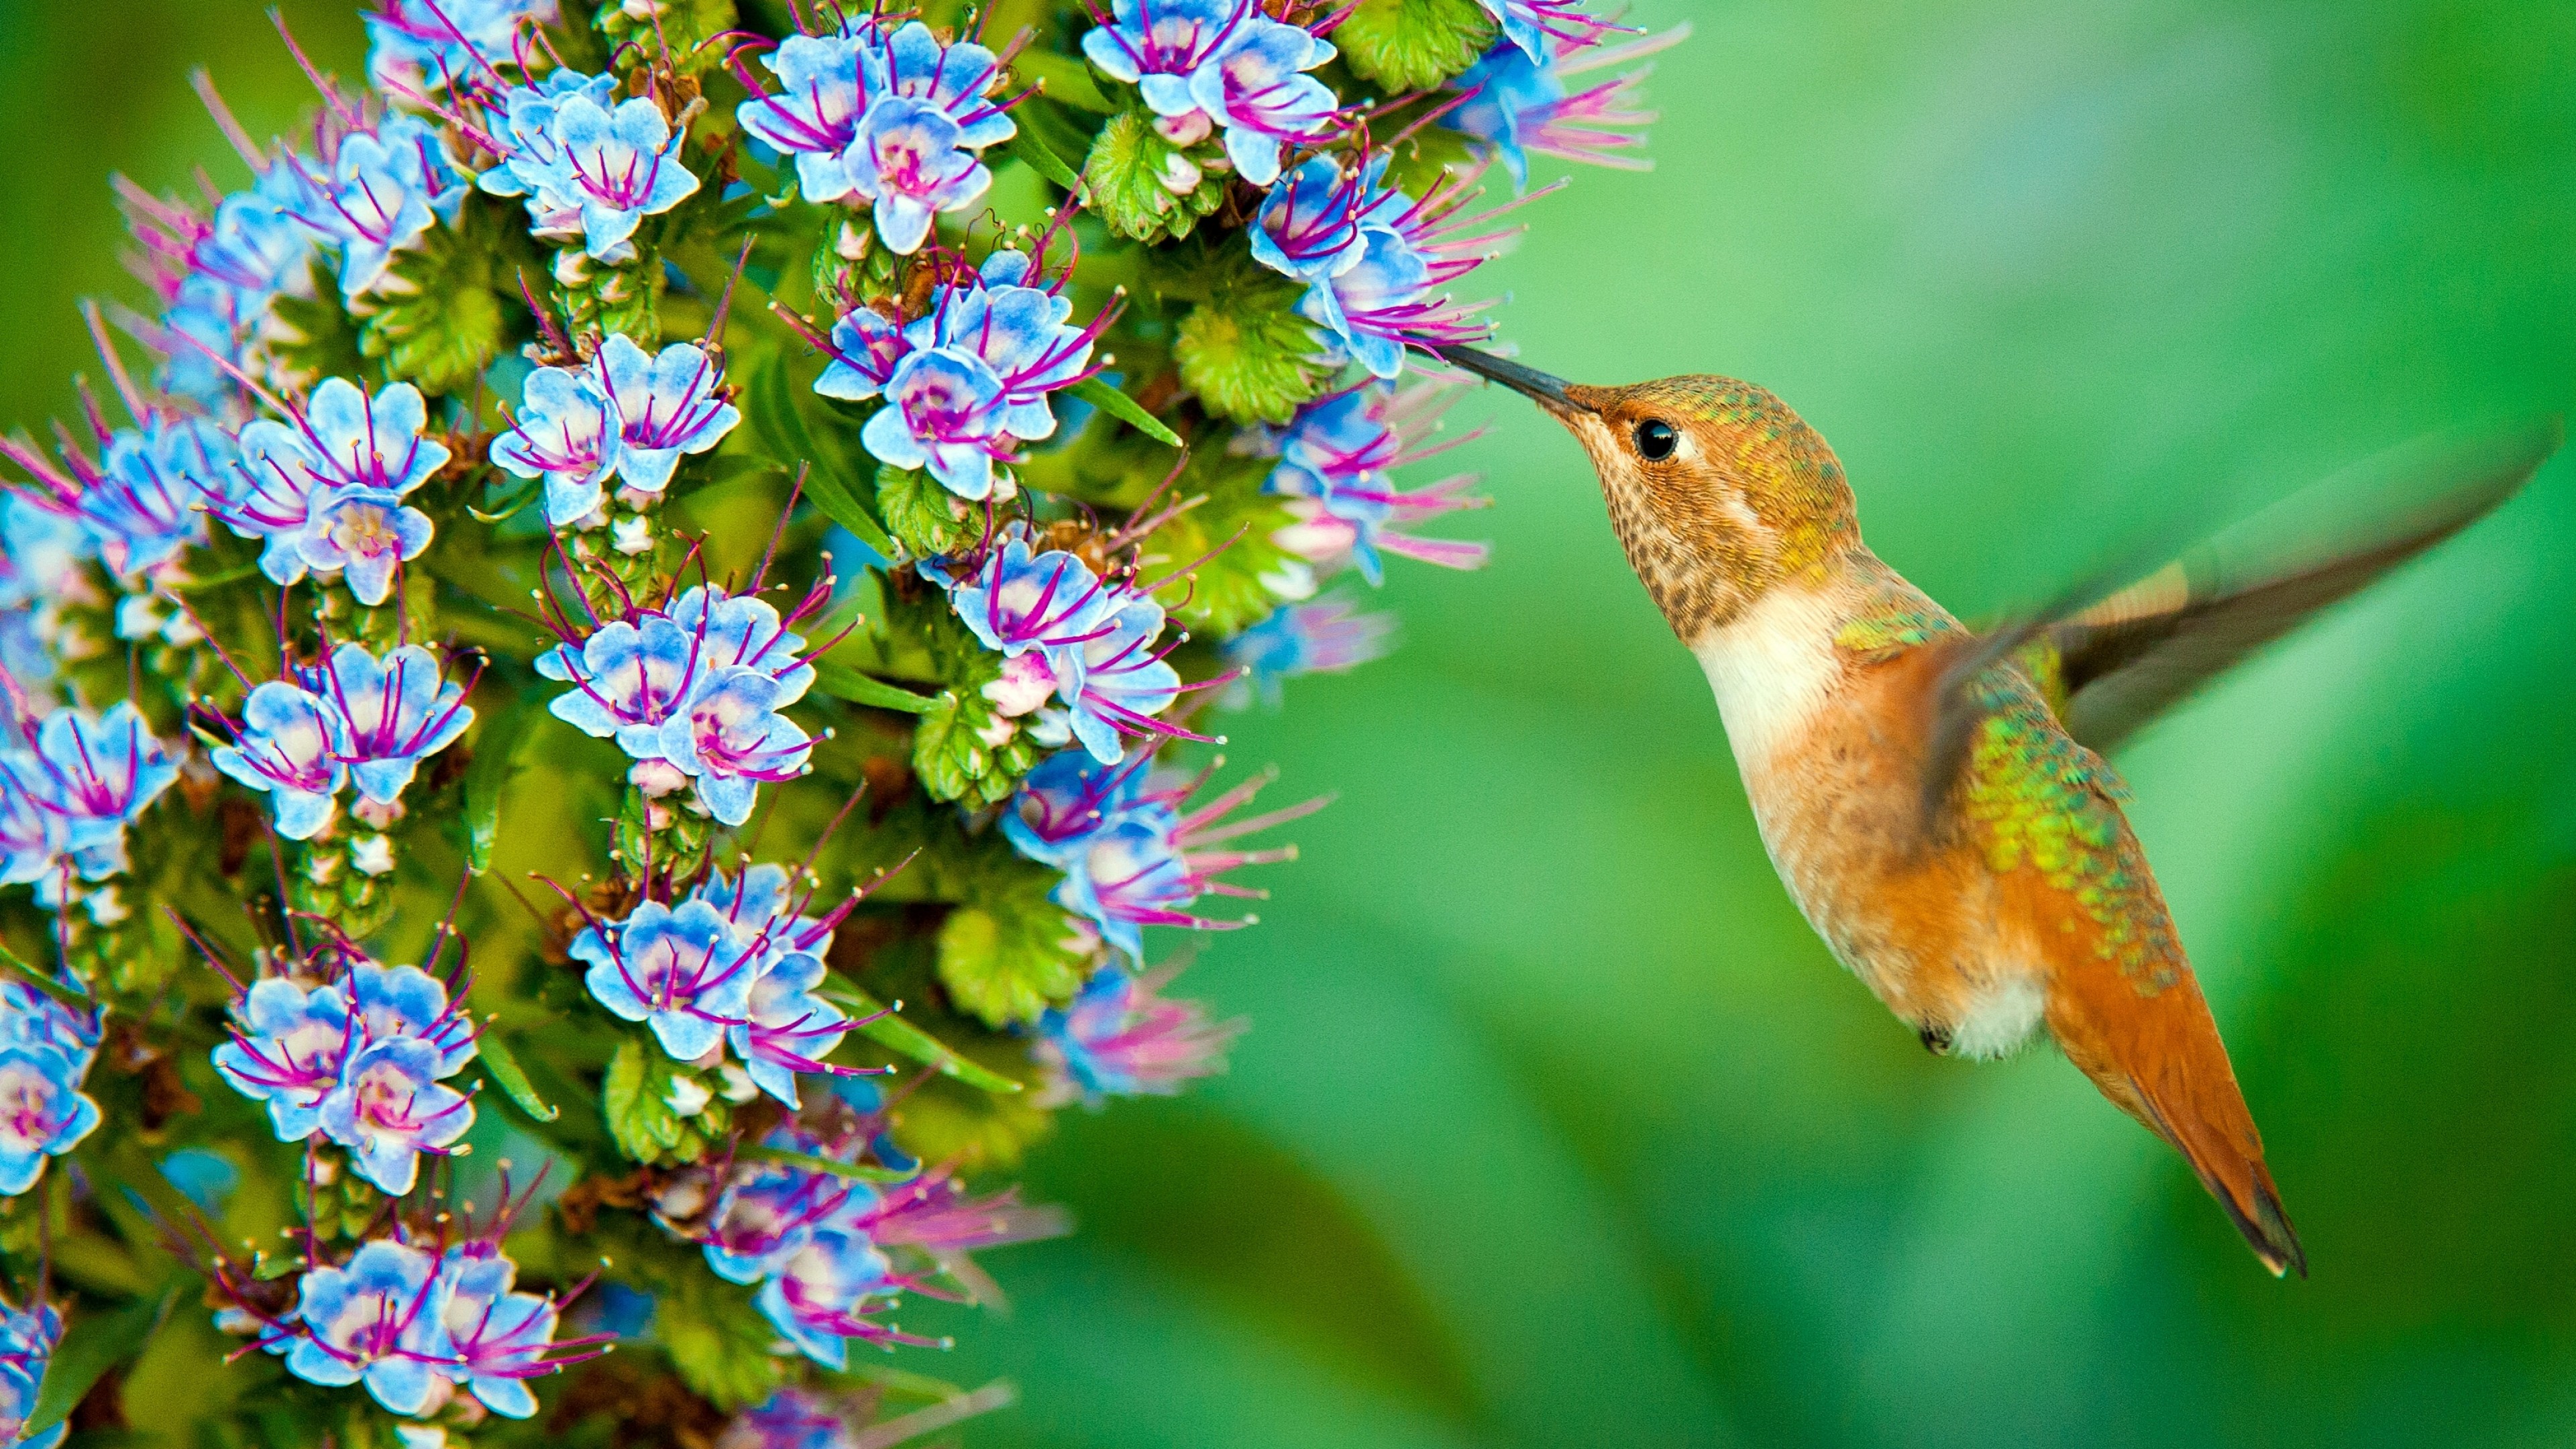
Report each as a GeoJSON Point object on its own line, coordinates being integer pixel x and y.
{"type": "Point", "coordinates": [1319, 638]}
{"type": "Point", "coordinates": [1115, 682]}
{"type": "Point", "coordinates": [566, 433]}
{"type": "Point", "coordinates": [788, 1029]}
{"type": "Point", "coordinates": [418, 45]}
{"type": "Point", "coordinates": [1368, 304]}
{"type": "Point", "coordinates": [48, 1113]}
{"type": "Point", "coordinates": [666, 404]}
{"type": "Point", "coordinates": [820, 1295]}
{"type": "Point", "coordinates": [343, 443]}
{"type": "Point", "coordinates": [1130, 874]}
{"type": "Point", "coordinates": [27, 1341]}
{"type": "Point", "coordinates": [289, 746]}
{"type": "Point", "coordinates": [943, 413]}
{"type": "Point", "coordinates": [366, 534]}
{"type": "Point", "coordinates": [289, 1044]}
{"type": "Point", "coordinates": [730, 738]}
{"type": "Point", "coordinates": [1310, 224]}
{"type": "Point", "coordinates": [1227, 60]}
{"type": "Point", "coordinates": [376, 1321]}
{"type": "Point", "coordinates": [95, 775]}
{"type": "Point", "coordinates": [814, 115]}
{"type": "Point", "coordinates": [385, 190]}
{"type": "Point", "coordinates": [405, 1001]}
{"type": "Point", "coordinates": [910, 158]}
{"type": "Point", "coordinates": [1517, 104]}
{"type": "Point", "coordinates": [1532, 25]}
{"type": "Point", "coordinates": [680, 972]}
{"type": "Point", "coordinates": [789, 1419]}
{"type": "Point", "coordinates": [392, 715]}
{"type": "Point", "coordinates": [158, 481]}
{"type": "Point", "coordinates": [29, 1017]}
{"type": "Point", "coordinates": [31, 836]}
{"type": "Point", "coordinates": [1118, 1039]}
{"type": "Point", "coordinates": [769, 1210]}
{"type": "Point", "coordinates": [217, 276]}
{"type": "Point", "coordinates": [762, 907]}
{"type": "Point", "coordinates": [499, 1338]}
{"type": "Point", "coordinates": [389, 1108]}
{"type": "Point", "coordinates": [1018, 601]}
{"type": "Point", "coordinates": [743, 631]}
{"type": "Point", "coordinates": [1067, 799]}
{"type": "Point", "coordinates": [617, 167]}
{"type": "Point", "coordinates": [633, 676]}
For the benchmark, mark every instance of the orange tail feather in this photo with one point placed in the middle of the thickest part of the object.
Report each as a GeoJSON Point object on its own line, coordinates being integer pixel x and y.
{"type": "Point", "coordinates": [2159, 1058]}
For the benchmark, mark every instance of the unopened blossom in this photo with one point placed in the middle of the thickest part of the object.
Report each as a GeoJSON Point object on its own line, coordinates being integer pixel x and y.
{"type": "Point", "coordinates": [374, 1321]}
{"type": "Point", "coordinates": [289, 1045]}
{"type": "Point", "coordinates": [1119, 1039]}
{"type": "Point", "coordinates": [666, 404]}
{"type": "Point", "coordinates": [678, 972]}
{"type": "Point", "coordinates": [393, 713]}
{"type": "Point", "coordinates": [1228, 61]}
{"type": "Point", "coordinates": [28, 1338]}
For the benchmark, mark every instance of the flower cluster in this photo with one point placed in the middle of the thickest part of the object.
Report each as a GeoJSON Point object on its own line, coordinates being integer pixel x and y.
{"type": "Point", "coordinates": [731, 964]}
{"type": "Point", "coordinates": [620, 450]}
{"type": "Point", "coordinates": [886, 113]}
{"type": "Point", "coordinates": [628, 415]}
{"type": "Point", "coordinates": [828, 1252]}
{"type": "Point", "coordinates": [356, 1053]}
{"type": "Point", "coordinates": [691, 692]}
{"type": "Point", "coordinates": [352, 717]}
{"type": "Point", "coordinates": [967, 381]}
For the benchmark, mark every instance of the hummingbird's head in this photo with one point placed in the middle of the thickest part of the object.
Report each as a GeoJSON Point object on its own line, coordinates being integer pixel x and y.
{"type": "Point", "coordinates": [1716, 489]}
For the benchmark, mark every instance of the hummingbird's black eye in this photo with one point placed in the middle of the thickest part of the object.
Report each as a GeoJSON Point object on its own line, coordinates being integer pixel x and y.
{"type": "Point", "coordinates": [1656, 440]}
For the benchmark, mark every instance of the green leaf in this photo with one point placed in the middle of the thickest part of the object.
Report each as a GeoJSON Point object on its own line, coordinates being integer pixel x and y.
{"type": "Point", "coordinates": [90, 1347]}
{"type": "Point", "coordinates": [839, 504]}
{"type": "Point", "coordinates": [504, 1068]}
{"type": "Point", "coordinates": [717, 1341]}
{"type": "Point", "coordinates": [1145, 187]}
{"type": "Point", "coordinates": [1248, 354]}
{"type": "Point", "coordinates": [894, 1033]}
{"type": "Point", "coordinates": [843, 682]}
{"type": "Point", "coordinates": [1064, 79]}
{"type": "Point", "coordinates": [44, 981]}
{"type": "Point", "coordinates": [1013, 953]}
{"type": "Point", "coordinates": [855, 1171]}
{"type": "Point", "coordinates": [1414, 45]}
{"type": "Point", "coordinates": [496, 759]}
{"type": "Point", "coordinates": [1044, 161]}
{"type": "Point", "coordinates": [927, 517]}
{"type": "Point", "coordinates": [1097, 392]}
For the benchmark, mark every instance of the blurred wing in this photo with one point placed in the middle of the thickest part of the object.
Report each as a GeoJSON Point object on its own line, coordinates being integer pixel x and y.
{"type": "Point", "coordinates": [2115, 664]}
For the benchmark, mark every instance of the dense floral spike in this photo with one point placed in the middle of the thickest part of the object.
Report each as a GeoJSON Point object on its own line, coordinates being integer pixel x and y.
{"type": "Point", "coordinates": [458, 365]}
{"type": "Point", "coordinates": [1119, 1039]}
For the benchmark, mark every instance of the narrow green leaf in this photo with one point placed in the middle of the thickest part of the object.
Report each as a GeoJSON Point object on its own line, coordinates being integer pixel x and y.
{"type": "Point", "coordinates": [1044, 161]}
{"type": "Point", "coordinates": [496, 758]}
{"type": "Point", "coordinates": [1097, 392]}
{"type": "Point", "coordinates": [855, 1170]}
{"type": "Point", "coordinates": [842, 682]}
{"type": "Point", "coordinates": [841, 506]}
{"type": "Point", "coordinates": [513, 1082]}
{"type": "Point", "coordinates": [89, 1349]}
{"type": "Point", "coordinates": [44, 981]}
{"type": "Point", "coordinates": [896, 1034]}
{"type": "Point", "coordinates": [1064, 79]}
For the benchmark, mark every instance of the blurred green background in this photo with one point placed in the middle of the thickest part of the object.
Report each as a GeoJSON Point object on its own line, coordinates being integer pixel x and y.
{"type": "Point", "coordinates": [1556, 1126]}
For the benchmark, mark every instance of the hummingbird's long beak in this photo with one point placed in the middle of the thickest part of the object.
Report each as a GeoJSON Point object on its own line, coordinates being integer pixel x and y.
{"type": "Point", "coordinates": [1548, 392]}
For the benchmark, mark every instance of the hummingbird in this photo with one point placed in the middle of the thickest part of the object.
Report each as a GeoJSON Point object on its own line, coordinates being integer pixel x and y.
{"type": "Point", "coordinates": [1934, 797]}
